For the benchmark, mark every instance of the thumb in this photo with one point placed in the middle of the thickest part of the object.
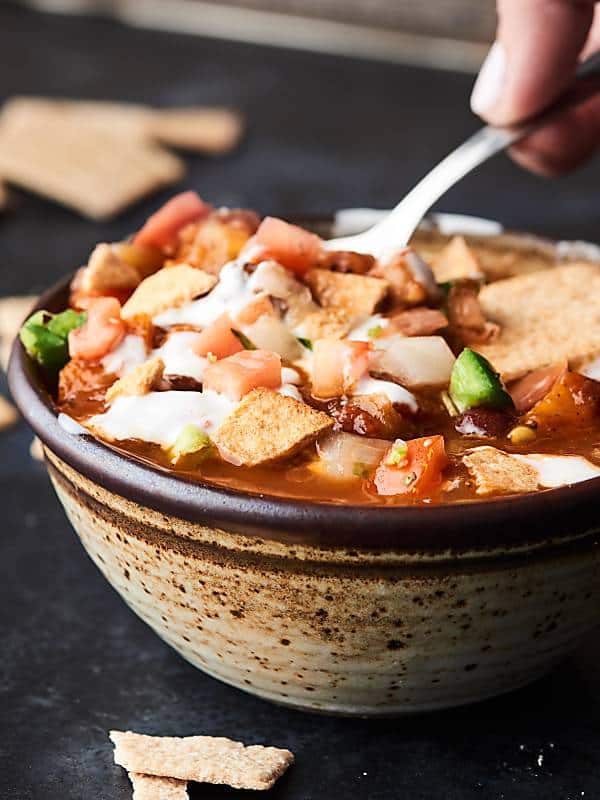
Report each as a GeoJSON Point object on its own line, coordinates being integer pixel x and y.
{"type": "Point", "coordinates": [533, 59]}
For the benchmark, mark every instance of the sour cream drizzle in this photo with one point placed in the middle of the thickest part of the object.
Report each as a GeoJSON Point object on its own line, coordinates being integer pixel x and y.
{"type": "Point", "coordinates": [361, 332]}
{"type": "Point", "coordinates": [395, 393]}
{"type": "Point", "coordinates": [159, 417]}
{"type": "Point", "coordinates": [130, 352]}
{"type": "Point", "coordinates": [231, 294]}
{"type": "Point", "coordinates": [179, 357]}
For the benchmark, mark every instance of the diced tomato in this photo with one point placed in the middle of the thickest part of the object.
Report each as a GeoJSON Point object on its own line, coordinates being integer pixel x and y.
{"type": "Point", "coordinates": [573, 401]}
{"type": "Point", "coordinates": [421, 472]}
{"type": "Point", "coordinates": [529, 390]}
{"type": "Point", "coordinates": [218, 339]}
{"type": "Point", "coordinates": [102, 331]}
{"type": "Point", "coordinates": [162, 227]}
{"type": "Point", "coordinates": [238, 374]}
{"type": "Point", "coordinates": [337, 365]}
{"type": "Point", "coordinates": [295, 248]}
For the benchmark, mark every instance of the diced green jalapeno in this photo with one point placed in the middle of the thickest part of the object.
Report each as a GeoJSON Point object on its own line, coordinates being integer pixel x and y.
{"type": "Point", "coordinates": [474, 382]}
{"type": "Point", "coordinates": [191, 446]}
{"type": "Point", "coordinates": [398, 454]}
{"type": "Point", "coordinates": [45, 337]}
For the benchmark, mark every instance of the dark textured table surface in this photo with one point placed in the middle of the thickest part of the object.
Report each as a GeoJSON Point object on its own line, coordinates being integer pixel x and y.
{"type": "Point", "coordinates": [74, 662]}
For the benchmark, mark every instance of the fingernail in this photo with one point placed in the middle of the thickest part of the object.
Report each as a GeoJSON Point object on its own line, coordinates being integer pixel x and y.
{"type": "Point", "coordinates": [490, 81]}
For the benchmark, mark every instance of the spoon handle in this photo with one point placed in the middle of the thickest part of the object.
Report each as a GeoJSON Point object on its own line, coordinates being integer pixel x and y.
{"type": "Point", "coordinates": [396, 229]}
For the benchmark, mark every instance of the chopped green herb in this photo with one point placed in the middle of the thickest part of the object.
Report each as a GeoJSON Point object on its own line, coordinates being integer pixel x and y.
{"type": "Point", "coordinates": [410, 478]}
{"type": "Point", "coordinates": [375, 332]}
{"type": "Point", "coordinates": [45, 336]}
{"type": "Point", "coordinates": [211, 358]}
{"type": "Point", "coordinates": [398, 454]}
{"type": "Point", "coordinates": [305, 342]}
{"type": "Point", "coordinates": [474, 382]}
{"type": "Point", "coordinates": [246, 343]}
{"type": "Point", "coordinates": [191, 446]}
{"type": "Point", "coordinates": [448, 404]}
{"type": "Point", "coordinates": [360, 470]}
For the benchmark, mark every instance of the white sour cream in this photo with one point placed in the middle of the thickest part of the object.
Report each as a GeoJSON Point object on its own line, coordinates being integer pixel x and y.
{"type": "Point", "coordinates": [178, 356]}
{"type": "Point", "coordinates": [556, 471]}
{"type": "Point", "coordinates": [289, 375]}
{"type": "Point", "coordinates": [395, 393]}
{"type": "Point", "coordinates": [289, 390]}
{"type": "Point", "coordinates": [130, 352]}
{"type": "Point", "coordinates": [231, 294]}
{"type": "Point", "coordinates": [361, 332]}
{"type": "Point", "coordinates": [592, 369]}
{"type": "Point", "coordinates": [159, 417]}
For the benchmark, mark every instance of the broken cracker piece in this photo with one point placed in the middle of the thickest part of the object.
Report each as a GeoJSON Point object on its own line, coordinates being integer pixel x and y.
{"type": "Point", "coordinates": [106, 271]}
{"type": "Point", "coordinates": [169, 287]}
{"type": "Point", "coordinates": [205, 759]}
{"type": "Point", "coordinates": [203, 129]}
{"type": "Point", "coordinates": [326, 323]}
{"type": "Point", "coordinates": [357, 295]}
{"type": "Point", "coordinates": [96, 170]}
{"type": "Point", "coordinates": [8, 414]}
{"type": "Point", "coordinates": [207, 130]}
{"type": "Point", "coordinates": [456, 261]}
{"type": "Point", "coordinates": [154, 787]}
{"type": "Point", "coordinates": [267, 426]}
{"type": "Point", "coordinates": [13, 312]}
{"type": "Point", "coordinates": [544, 317]}
{"type": "Point", "coordinates": [140, 380]}
{"type": "Point", "coordinates": [496, 472]}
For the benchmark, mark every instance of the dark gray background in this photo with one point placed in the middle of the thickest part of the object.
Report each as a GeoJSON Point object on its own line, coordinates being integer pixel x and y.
{"type": "Point", "coordinates": [74, 662]}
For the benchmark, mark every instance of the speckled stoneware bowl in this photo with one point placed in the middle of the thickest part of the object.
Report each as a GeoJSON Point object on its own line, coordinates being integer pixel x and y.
{"type": "Point", "coordinates": [346, 610]}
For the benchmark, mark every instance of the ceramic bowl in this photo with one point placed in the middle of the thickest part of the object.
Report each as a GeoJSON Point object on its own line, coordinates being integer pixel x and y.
{"type": "Point", "coordinates": [339, 609]}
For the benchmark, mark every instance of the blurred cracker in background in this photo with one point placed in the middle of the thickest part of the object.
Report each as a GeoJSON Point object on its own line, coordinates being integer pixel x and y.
{"type": "Point", "coordinates": [100, 157]}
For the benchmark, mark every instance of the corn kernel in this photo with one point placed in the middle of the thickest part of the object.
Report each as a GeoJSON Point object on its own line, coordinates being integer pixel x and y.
{"type": "Point", "coordinates": [521, 435]}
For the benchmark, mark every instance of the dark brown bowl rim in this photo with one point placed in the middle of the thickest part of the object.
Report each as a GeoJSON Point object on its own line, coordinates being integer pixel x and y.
{"type": "Point", "coordinates": [485, 525]}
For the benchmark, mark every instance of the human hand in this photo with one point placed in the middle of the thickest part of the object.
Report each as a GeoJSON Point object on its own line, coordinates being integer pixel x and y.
{"type": "Point", "coordinates": [538, 46]}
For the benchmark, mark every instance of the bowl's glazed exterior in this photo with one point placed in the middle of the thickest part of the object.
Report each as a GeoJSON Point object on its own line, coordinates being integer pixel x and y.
{"type": "Point", "coordinates": [339, 629]}
{"type": "Point", "coordinates": [349, 610]}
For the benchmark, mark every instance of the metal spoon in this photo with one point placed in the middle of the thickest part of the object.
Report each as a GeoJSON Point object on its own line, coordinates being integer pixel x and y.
{"type": "Point", "coordinates": [395, 230]}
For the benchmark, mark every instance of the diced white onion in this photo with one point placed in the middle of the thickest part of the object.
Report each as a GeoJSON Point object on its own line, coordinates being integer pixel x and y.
{"type": "Point", "coordinates": [414, 361]}
{"type": "Point", "coordinates": [270, 333]}
{"type": "Point", "coordinates": [345, 454]}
